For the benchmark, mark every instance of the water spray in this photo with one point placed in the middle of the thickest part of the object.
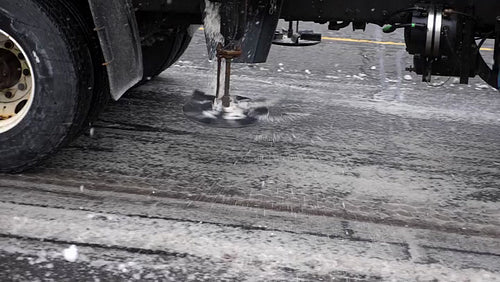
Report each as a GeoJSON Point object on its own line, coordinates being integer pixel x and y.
{"type": "Point", "coordinates": [225, 24]}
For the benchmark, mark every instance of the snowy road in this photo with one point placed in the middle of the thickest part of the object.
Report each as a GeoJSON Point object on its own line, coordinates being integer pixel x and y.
{"type": "Point", "coordinates": [361, 172]}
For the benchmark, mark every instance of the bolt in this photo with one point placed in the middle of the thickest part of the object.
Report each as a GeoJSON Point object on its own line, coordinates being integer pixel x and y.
{"type": "Point", "coordinates": [21, 86]}
{"type": "Point", "coordinates": [26, 72]}
{"type": "Point", "coordinates": [9, 95]}
{"type": "Point", "coordinates": [9, 45]}
{"type": "Point", "coordinates": [410, 69]}
{"type": "Point", "coordinates": [20, 56]}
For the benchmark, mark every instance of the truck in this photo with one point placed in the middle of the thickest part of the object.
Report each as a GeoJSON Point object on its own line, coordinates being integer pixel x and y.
{"type": "Point", "coordinates": [61, 61]}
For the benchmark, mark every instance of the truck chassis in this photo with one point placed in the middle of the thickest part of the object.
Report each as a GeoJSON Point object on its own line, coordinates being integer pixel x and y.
{"type": "Point", "coordinates": [60, 62]}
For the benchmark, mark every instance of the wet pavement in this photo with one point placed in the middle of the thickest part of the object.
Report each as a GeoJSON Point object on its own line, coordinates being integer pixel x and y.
{"type": "Point", "coordinates": [361, 172]}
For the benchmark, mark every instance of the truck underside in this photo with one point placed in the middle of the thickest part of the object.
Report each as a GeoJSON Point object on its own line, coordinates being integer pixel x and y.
{"type": "Point", "coordinates": [103, 48]}
{"type": "Point", "coordinates": [440, 34]}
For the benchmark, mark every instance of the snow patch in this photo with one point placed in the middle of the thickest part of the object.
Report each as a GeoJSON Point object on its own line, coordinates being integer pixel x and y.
{"type": "Point", "coordinates": [70, 254]}
{"type": "Point", "coordinates": [37, 59]}
{"type": "Point", "coordinates": [480, 86]}
{"type": "Point", "coordinates": [332, 77]}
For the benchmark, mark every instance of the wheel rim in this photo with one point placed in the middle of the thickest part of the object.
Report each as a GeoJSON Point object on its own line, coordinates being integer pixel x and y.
{"type": "Point", "coordinates": [17, 83]}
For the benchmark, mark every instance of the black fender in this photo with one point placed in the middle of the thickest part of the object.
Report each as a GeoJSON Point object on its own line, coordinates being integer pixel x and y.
{"type": "Point", "coordinates": [116, 26]}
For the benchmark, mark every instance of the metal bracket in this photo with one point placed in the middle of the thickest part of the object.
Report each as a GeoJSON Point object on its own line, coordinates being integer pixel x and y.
{"type": "Point", "coordinates": [296, 37]}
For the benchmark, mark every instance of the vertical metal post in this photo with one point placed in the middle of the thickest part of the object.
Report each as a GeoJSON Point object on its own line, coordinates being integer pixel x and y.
{"type": "Point", "coordinates": [226, 99]}
{"type": "Point", "coordinates": [290, 29]}
{"type": "Point", "coordinates": [466, 58]}
{"type": "Point", "coordinates": [219, 66]}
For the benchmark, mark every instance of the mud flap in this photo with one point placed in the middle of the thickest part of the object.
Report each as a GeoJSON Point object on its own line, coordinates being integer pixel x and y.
{"type": "Point", "coordinates": [118, 33]}
{"type": "Point", "coordinates": [262, 21]}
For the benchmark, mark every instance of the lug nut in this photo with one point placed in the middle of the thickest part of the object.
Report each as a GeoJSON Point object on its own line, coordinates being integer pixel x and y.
{"type": "Point", "coordinates": [21, 86]}
{"type": "Point", "coordinates": [26, 72]}
{"type": "Point", "coordinates": [21, 56]}
{"type": "Point", "coordinates": [9, 45]}
{"type": "Point", "coordinates": [9, 95]}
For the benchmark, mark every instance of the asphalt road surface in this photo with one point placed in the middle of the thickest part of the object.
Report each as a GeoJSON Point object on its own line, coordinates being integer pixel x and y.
{"type": "Point", "coordinates": [361, 172]}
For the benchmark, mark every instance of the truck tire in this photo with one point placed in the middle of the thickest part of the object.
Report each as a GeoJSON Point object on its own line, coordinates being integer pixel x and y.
{"type": "Point", "coordinates": [162, 46]}
{"type": "Point", "coordinates": [162, 54]}
{"type": "Point", "coordinates": [101, 95]}
{"type": "Point", "coordinates": [47, 84]}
